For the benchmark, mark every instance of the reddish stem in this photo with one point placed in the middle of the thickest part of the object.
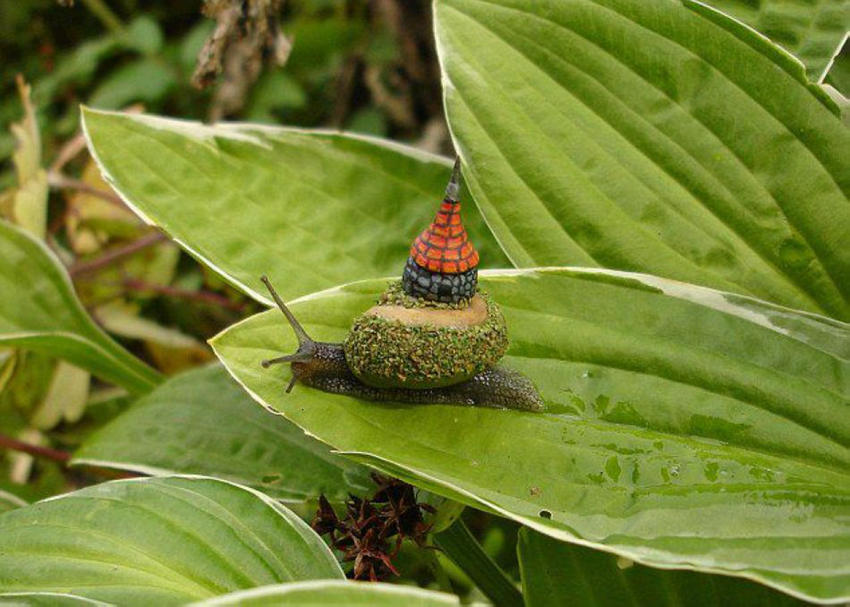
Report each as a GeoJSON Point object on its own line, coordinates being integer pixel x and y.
{"type": "Point", "coordinates": [204, 296]}
{"type": "Point", "coordinates": [16, 445]}
{"type": "Point", "coordinates": [68, 151]}
{"type": "Point", "coordinates": [59, 181]}
{"type": "Point", "coordinates": [115, 254]}
{"type": "Point", "coordinates": [62, 457]}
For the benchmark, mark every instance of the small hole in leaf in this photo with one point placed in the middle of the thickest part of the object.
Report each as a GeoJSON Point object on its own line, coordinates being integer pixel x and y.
{"type": "Point", "coordinates": [545, 514]}
{"type": "Point", "coordinates": [271, 478]}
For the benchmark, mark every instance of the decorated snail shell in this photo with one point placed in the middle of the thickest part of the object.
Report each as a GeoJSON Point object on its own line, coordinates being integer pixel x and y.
{"type": "Point", "coordinates": [433, 337]}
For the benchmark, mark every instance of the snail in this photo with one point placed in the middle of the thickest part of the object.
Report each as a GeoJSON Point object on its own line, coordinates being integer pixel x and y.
{"type": "Point", "coordinates": [432, 338]}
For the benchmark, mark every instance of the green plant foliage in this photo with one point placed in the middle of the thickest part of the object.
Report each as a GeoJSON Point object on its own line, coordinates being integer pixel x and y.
{"type": "Point", "coordinates": [687, 431]}
{"type": "Point", "coordinates": [308, 208]}
{"type": "Point", "coordinates": [273, 91]}
{"type": "Point", "coordinates": [143, 35]}
{"type": "Point", "coordinates": [333, 594]}
{"type": "Point", "coordinates": [556, 573]}
{"type": "Point", "coordinates": [650, 136]}
{"type": "Point", "coordinates": [685, 427]}
{"type": "Point", "coordinates": [39, 311]}
{"type": "Point", "coordinates": [811, 31]}
{"type": "Point", "coordinates": [202, 422]}
{"type": "Point", "coordinates": [458, 544]}
{"type": "Point", "coordinates": [161, 541]}
{"type": "Point", "coordinates": [143, 80]}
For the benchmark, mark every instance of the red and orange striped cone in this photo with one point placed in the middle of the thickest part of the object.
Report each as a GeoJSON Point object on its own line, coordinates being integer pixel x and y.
{"type": "Point", "coordinates": [443, 262]}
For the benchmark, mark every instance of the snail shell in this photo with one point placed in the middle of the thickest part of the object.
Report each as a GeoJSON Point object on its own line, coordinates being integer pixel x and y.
{"type": "Point", "coordinates": [399, 344]}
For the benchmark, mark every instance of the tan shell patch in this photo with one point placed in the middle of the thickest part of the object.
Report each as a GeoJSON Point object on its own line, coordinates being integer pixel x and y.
{"type": "Point", "coordinates": [474, 314]}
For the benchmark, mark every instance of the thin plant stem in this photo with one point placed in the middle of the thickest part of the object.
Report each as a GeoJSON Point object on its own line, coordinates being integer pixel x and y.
{"type": "Point", "coordinates": [62, 182]}
{"type": "Point", "coordinates": [68, 152]}
{"type": "Point", "coordinates": [458, 543]}
{"type": "Point", "coordinates": [115, 254]}
{"type": "Point", "coordinates": [202, 296]}
{"type": "Point", "coordinates": [101, 10]}
{"type": "Point", "coordinates": [13, 444]}
{"type": "Point", "coordinates": [59, 456]}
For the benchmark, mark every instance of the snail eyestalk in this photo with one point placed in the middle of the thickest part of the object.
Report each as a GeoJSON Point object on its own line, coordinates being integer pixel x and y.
{"type": "Point", "coordinates": [300, 333]}
{"type": "Point", "coordinates": [306, 345]}
{"type": "Point", "coordinates": [289, 358]}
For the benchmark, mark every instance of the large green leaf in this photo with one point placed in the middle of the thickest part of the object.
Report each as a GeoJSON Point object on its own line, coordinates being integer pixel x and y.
{"type": "Point", "coordinates": [202, 422]}
{"type": "Point", "coordinates": [684, 427]}
{"type": "Point", "coordinates": [39, 311]}
{"type": "Point", "coordinates": [158, 541]}
{"type": "Point", "coordinates": [811, 31]}
{"type": "Point", "coordinates": [650, 135]}
{"type": "Point", "coordinates": [311, 209]}
{"type": "Point", "coordinates": [334, 594]}
{"type": "Point", "coordinates": [556, 573]}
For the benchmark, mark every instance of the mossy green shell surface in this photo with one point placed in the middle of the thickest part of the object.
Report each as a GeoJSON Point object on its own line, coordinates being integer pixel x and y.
{"type": "Point", "coordinates": [388, 354]}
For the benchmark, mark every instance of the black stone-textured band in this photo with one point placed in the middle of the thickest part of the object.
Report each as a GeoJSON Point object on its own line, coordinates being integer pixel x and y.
{"type": "Point", "coordinates": [435, 286]}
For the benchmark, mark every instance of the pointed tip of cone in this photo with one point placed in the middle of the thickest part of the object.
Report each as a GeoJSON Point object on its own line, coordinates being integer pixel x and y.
{"type": "Point", "coordinates": [453, 189]}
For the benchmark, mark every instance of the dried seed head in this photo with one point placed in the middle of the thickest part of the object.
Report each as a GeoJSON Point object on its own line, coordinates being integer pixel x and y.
{"type": "Point", "coordinates": [371, 533]}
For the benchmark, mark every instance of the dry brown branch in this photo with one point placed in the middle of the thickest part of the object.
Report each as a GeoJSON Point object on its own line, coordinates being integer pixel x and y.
{"type": "Point", "coordinates": [62, 182]}
{"type": "Point", "coordinates": [246, 36]}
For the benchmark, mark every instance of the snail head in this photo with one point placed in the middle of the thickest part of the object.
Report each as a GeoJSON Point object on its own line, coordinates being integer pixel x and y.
{"type": "Point", "coordinates": [306, 346]}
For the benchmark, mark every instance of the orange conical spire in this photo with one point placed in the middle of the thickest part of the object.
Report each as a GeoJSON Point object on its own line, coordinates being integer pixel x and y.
{"type": "Point", "coordinates": [443, 262]}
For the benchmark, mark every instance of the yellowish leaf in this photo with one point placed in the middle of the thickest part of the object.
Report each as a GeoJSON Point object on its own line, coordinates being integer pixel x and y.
{"type": "Point", "coordinates": [123, 319]}
{"type": "Point", "coordinates": [171, 350]}
{"type": "Point", "coordinates": [27, 155]}
{"type": "Point", "coordinates": [66, 397]}
{"type": "Point", "coordinates": [29, 207]}
{"type": "Point", "coordinates": [93, 220]}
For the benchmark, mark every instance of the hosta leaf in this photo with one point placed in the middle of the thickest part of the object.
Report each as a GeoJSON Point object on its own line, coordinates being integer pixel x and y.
{"type": "Point", "coordinates": [556, 573]}
{"type": "Point", "coordinates": [66, 397]}
{"type": "Point", "coordinates": [312, 209]}
{"type": "Point", "coordinates": [158, 541]}
{"type": "Point", "coordinates": [202, 422]}
{"type": "Point", "coordinates": [811, 31]}
{"type": "Point", "coordinates": [332, 594]}
{"type": "Point", "coordinates": [650, 135]}
{"type": "Point", "coordinates": [685, 427]}
{"type": "Point", "coordinates": [39, 311]}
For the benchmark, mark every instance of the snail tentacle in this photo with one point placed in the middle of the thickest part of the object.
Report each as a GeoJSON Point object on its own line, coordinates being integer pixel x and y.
{"type": "Point", "coordinates": [306, 345]}
{"type": "Point", "coordinates": [300, 333]}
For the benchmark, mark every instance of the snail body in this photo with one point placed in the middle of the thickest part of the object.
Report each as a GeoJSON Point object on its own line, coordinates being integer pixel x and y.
{"type": "Point", "coordinates": [433, 337]}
